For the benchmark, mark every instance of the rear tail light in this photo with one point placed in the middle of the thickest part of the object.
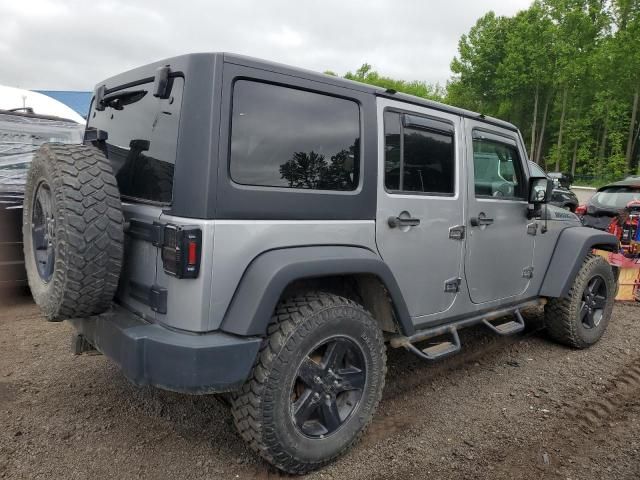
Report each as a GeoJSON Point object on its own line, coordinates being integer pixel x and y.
{"type": "Point", "coordinates": [581, 210]}
{"type": "Point", "coordinates": [181, 251]}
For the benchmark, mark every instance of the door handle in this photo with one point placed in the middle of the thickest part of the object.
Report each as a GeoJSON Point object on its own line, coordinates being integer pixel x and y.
{"type": "Point", "coordinates": [480, 220]}
{"type": "Point", "coordinates": [403, 222]}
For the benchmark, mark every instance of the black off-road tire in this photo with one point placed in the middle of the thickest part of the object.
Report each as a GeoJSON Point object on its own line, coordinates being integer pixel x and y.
{"type": "Point", "coordinates": [262, 409]}
{"type": "Point", "coordinates": [87, 226]}
{"type": "Point", "coordinates": [562, 315]}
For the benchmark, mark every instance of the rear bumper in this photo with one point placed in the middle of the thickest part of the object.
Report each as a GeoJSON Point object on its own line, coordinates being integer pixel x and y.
{"type": "Point", "coordinates": [150, 354]}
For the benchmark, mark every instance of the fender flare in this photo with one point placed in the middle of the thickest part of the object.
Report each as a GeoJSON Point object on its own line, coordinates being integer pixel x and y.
{"type": "Point", "coordinates": [267, 276]}
{"type": "Point", "coordinates": [572, 247]}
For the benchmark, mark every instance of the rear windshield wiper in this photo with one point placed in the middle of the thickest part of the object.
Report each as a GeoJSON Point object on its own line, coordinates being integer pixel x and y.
{"type": "Point", "coordinates": [118, 100]}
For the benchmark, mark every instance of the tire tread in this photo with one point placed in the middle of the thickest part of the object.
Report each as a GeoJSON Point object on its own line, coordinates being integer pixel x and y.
{"type": "Point", "coordinates": [248, 403]}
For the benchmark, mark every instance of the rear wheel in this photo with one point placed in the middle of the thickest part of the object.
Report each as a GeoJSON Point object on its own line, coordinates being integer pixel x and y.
{"type": "Point", "coordinates": [316, 384]}
{"type": "Point", "coordinates": [580, 318]}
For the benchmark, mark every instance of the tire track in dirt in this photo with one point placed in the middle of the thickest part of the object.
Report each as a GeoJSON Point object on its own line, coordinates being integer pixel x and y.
{"type": "Point", "coordinates": [623, 387]}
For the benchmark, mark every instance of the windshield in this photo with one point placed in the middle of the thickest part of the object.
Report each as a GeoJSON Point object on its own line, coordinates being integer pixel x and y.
{"type": "Point", "coordinates": [616, 197]}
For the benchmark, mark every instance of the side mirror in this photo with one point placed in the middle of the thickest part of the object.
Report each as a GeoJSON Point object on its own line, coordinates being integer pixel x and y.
{"type": "Point", "coordinates": [540, 190]}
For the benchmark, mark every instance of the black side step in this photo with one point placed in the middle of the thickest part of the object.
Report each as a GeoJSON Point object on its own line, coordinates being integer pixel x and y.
{"type": "Point", "coordinates": [444, 349]}
{"type": "Point", "coordinates": [507, 328]}
{"type": "Point", "coordinates": [440, 350]}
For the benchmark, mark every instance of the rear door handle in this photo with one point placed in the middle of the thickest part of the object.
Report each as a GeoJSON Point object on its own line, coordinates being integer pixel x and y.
{"type": "Point", "coordinates": [403, 222]}
{"type": "Point", "coordinates": [480, 220]}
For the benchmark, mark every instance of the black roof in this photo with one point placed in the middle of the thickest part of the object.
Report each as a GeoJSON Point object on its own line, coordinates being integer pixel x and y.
{"type": "Point", "coordinates": [192, 58]}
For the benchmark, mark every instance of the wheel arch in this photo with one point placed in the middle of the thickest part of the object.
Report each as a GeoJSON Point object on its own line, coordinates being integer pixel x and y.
{"type": "Point", "coordinates": [572, 247]}
{"type": "Point", "coordinates": [273, 274]}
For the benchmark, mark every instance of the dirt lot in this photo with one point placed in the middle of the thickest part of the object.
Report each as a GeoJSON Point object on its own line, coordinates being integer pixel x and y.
{"type": "Point", "coordinates": [518, 407]}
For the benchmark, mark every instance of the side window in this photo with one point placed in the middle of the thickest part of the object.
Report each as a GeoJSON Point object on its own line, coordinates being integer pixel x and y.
{"type": "Point", "coordinates": [497, 170]}
{"type": "Point", "coordinates": [417, 159]}
{"type": "Point", "coordinates": [536, 171]}
{"type": "Point", "coordinates": [284, 137]}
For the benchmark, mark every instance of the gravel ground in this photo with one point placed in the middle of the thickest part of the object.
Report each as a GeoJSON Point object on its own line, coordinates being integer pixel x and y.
{"type": "Point", "coordinates": [517, 407]}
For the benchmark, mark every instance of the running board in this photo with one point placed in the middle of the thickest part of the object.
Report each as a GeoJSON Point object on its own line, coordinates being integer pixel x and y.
{"type": "Point", "coordinates": [439, 350]}
{"type": "Point", "coordinates": [446, 348]}
{"type": "Point", "coordinates": [507, 328]}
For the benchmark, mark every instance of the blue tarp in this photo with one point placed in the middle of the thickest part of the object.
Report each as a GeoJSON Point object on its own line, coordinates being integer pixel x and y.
{"type": "Point", "coordinates": [79, 101]}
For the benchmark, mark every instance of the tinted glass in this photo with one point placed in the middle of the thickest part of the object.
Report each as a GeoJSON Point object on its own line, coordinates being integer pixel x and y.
{"type": "Point", "coordinates": [497, 170]}
{"type": "Point", "coordinates": [142, 142]}
{"type": "Point", "coordinates": [536, 170]}
{"type": "Point", "coordinates": [392, 129]}
{"type": "Point", "coordinates": [283, 137]}
{"type": "Point", "coordinates": [416, 159]}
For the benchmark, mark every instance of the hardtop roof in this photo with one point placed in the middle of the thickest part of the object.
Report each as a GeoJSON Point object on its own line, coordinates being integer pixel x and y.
{"type": "Point", "coordinates": [362, 87]}
{"type": "Point", "coordinates": [186, 60]}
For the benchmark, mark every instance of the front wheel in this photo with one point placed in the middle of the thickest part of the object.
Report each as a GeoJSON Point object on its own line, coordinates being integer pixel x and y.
{"type": "Point", "coordinates": [580, 318]}
{"type": "Point", "coordinates": [316, 384]}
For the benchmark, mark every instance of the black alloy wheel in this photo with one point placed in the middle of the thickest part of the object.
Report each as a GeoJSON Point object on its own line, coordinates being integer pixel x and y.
{"type": "Point", "coordinates": [328, 387]}
{"type": "Point", "coordinates": [594, 301]}
{"type": "Point", "coordinates": [43, 232]}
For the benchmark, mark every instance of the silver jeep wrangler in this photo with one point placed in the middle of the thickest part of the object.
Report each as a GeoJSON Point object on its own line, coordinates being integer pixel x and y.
{"type": "Point", "coordinates": [235, 225]}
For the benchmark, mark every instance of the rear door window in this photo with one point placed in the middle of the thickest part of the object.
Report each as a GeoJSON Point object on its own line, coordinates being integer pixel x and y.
{"type": "Point", "coordinates": [290, 138]}
{"type": "Point", "coordinates": [418, 159]}
{"type": "Point", "coordinates": [142, 141]}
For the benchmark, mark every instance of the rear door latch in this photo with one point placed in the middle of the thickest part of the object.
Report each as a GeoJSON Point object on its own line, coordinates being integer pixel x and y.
{"type": "Point", "coordinates": [452, 285]}
{"type": "Point", "coordinates": [457, 232]}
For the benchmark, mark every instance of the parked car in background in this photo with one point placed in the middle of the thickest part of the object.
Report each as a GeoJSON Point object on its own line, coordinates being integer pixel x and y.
{"type": "Point", "coordinates": [562, 195]}
{"type": "Point", "coordinates": [608, 202]}
{"type": "Point", "coordinates": [21, 134]}
{"type": "Point", "coordinates": [561, 179]}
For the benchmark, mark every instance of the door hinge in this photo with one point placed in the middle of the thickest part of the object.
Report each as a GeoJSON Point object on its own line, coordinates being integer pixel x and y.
{"type": "Point", "coordinates": [452, 285]}
{"type": "Point", "coordinates": [532, 228]}
{"type": "Point", "coordinates": [527, 272]}
{"type": "Point", "coordinates": [457, 232]}
{"type": "Point", "coordinates": [146, 231]}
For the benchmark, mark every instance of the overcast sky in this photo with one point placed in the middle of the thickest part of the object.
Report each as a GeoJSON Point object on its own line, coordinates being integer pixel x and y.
{"type": "Point", "coordinates": [73, 44]}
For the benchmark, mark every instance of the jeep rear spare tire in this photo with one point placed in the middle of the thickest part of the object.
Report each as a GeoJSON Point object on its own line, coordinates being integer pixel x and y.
{"type": "Point", "coordinates": [72, 231]}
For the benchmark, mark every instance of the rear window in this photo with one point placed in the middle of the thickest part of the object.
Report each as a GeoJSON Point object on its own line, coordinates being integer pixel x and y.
{"type": "Point", "coordinates": [616, 197]}
{"type": "Point", "coordinates": [142, 140]}
{"type": "Point", "coordinates": [290, 138]}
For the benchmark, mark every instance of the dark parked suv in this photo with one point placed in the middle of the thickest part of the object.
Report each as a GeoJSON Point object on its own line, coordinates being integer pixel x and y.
{"type": "Point", "coordinates": [235, 225]}
{"type": "Point", "coordinates": [561, 196]}
{"type": "Point", "coordinates": [608, 202]}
